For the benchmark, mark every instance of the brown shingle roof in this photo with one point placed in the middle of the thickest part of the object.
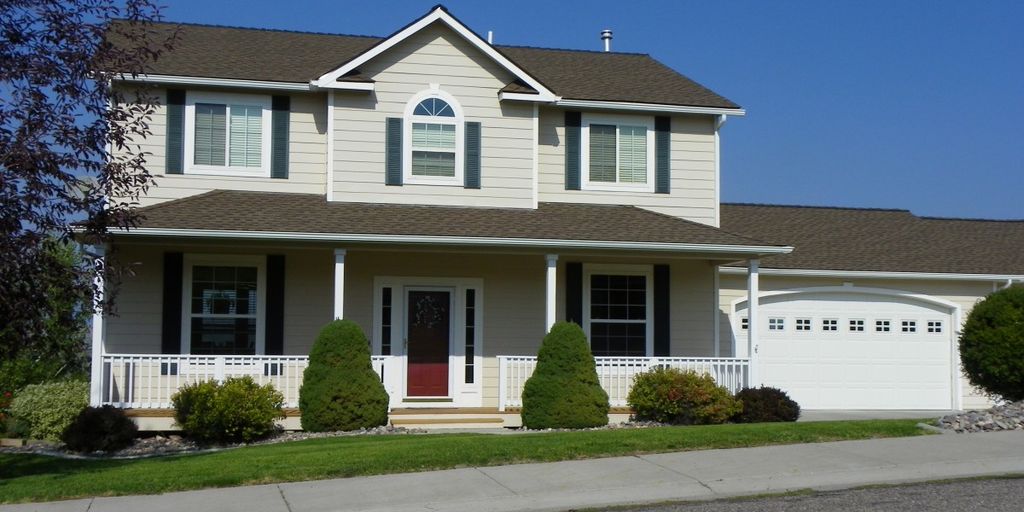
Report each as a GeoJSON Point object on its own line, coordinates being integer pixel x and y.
{"type": "Point", "coordinates": [232, 210]}
{"type": "Point", "coordinates": [881, 240]}
{"type": "Point", "coordinates": [283, 56]}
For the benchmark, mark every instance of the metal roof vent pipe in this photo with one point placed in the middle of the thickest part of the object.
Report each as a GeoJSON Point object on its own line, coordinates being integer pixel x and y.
{"type": "Point", "coordinates": [606, 36]}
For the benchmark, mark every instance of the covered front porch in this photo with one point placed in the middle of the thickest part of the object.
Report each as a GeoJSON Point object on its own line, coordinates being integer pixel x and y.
{"type": "Point", "coordinates": [449, 329]}
{"type": "Point", "coordinates": [454, 301]}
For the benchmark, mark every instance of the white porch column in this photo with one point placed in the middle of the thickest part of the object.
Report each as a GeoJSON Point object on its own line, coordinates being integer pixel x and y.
{"type": "Point", "coordinates": [96, 370]}
{"type": "Point", "coordinates": [339, 283]}
{"type": "Point", "coordinates": [551, 291]}
{"type": "Point", "coordinates": [753, 291]}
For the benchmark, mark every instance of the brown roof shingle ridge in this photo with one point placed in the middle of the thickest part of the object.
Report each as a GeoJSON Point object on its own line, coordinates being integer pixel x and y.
{"type": "Point", "coordinates": [819, 207]}
{"type": "Point", "coordinates": [258, 29]}
{"type": "Point", "coordinates": [755, 241]}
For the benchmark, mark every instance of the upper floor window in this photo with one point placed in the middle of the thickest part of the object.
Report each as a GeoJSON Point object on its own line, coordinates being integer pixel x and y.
{"type": "Point", "coordinates": [227, 134]}
{"type": "Point", "coordinates": [433, 151]}
{"type": "Point", "coordinates": [618, 152]}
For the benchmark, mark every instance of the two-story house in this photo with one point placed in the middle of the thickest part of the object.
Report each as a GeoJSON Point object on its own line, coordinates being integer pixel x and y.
{"type": "Point", "coordinates": [455, 198]}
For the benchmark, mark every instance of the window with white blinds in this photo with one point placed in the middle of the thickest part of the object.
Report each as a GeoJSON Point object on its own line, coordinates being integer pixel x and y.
{"type": "Point", "coordinates": [434, 131]}
{"type": "Point", "coordinates": [246, 135]}
{"type": "Point", "coordinates": [227, 134]}
{"type": "Point", "coordinates": [617, 151]}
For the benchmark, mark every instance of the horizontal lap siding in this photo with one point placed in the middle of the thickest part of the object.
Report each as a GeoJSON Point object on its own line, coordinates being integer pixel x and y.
{"type": "Point", "coordinates": [692, 166]}
{"type": "Point", "coordinates": [136, 327]}
{"type": "Point", "coordinates": [963, 293]}
{"type": "Point", "coordinates": [438, 56]}
{"type": "Point", "coordinates": [307, 156]}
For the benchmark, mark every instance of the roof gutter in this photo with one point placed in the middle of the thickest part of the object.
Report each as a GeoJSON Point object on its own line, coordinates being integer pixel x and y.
{"type": "Point", "coordinates": [217, 82]}
{"type": "Point", "coordinates": [869, 274]}
{"type": "Point", "coordinates": [752, 250]}
{"type": "Point", "coordinates": [649, 107]}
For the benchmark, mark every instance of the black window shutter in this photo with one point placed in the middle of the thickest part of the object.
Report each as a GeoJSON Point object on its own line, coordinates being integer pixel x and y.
{"type": "Point", "coordinates": [393, 156]}
{"type": "Point", "coordinates": [574, 292]}
{"type": "Point", "coordinates": [573, 120]}
{"type": "Point", "coordinates": [175, 157]}
{"type": "Point", "coordinates": [472, 163]}
{"type": "Point", "coordinates": [274, 331]}
{"type": "Point", "coordinates": [280, 115]}
{"type": "Point", "coordinates": [662, 311]}
{"type": "Point", "coordinates": [662, 154]}
{"type": "Point", "coordinates": [170, 342]}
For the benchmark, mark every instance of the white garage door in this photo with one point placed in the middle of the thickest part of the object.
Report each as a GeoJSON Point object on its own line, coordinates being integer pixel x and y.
{"type": "Point", "coordinates": [855, 351]}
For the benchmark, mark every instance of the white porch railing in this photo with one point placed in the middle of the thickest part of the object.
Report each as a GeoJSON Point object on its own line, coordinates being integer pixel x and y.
{"type": "Point", "coordinates": [143, 381]}
{"type": "Point", "coordinates": [616, 374]}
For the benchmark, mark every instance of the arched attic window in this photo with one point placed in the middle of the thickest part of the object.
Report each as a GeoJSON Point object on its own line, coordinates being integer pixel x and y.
{"type": "Point", "coordinates": [435, 139]}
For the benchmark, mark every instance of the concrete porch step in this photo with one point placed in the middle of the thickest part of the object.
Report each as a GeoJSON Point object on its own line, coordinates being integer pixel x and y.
{"type": "Point", "coordinates": [459, 422]}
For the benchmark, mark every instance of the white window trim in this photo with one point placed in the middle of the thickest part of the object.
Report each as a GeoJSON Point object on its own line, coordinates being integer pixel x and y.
{"type": "Point", "coordinates": [617, 120]}
{"type": "Point", "coordinates": [191, 260]}
{"type": "Point", "coordinates": [621, 270]}
{"type": "Point", "coordinates": [458, 121]}
{"type": "Point", "coordinates": [193, 97]}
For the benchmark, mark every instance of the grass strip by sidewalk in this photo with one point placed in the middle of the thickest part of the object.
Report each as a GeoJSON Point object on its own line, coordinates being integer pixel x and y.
{"type": "Point", "coordinates": [26, 477]}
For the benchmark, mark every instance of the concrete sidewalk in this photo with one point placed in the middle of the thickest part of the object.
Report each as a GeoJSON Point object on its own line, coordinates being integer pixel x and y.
{"type": "Point", "coordinates": [613, 481]}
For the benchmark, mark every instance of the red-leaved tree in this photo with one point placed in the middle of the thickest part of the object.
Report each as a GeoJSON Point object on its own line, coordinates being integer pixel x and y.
{"type": "Point", "coordinates": [70, 170]}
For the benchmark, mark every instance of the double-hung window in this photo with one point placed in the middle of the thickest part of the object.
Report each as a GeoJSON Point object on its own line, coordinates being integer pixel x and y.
{"type": "Point", "coordinates": [224, 306]}
{"type": "Point", "coordinates": [618, 153]}
{"type": "Point", "coordinates": [227, 134]}
{"type": "Point", "coordinates": [433, 153]}
{"type": "Point", "coordinates": [619, 312]}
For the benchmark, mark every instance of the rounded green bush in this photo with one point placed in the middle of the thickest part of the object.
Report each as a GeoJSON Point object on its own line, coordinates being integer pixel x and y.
{"type": "Point", "coordinates": [992, 344]}
{"type": "Point", "coordinates": [670, 395]}
{"type": "Point", "coordinates": [47, 409]}
{"type": "Point", "coordinates": [563, 391]}
{"type": "Point", "coordinates": [340, 390]}
{"type": "Point", "coordinates": [96, 429]}
{"type": "Point", "coordinates": [239, 410]}
{"type": "Point", "coordinates": [766, 404]}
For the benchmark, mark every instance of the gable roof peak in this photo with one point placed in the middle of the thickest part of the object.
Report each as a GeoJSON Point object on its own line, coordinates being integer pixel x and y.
{"type": "Point", "coordinates": [438, 13]}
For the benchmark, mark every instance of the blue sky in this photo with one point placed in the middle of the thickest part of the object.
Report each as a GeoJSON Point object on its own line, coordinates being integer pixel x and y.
{"type": "Point", "coordinates": [910, 104]}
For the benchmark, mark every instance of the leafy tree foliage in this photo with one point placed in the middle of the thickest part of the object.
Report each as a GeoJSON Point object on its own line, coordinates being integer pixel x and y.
{"type": "Point", "coordinates": [992, 344]}
{"type": "Point", "coordinates": [66, 149]}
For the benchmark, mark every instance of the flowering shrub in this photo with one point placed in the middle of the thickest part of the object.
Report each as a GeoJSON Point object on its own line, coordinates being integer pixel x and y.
{"type": "Point", "coordinates": [5, 409]}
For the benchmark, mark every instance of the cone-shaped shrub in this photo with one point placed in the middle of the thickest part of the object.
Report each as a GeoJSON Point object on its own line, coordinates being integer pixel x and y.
{"type": "Point", "coordinates": [340, 390]}
{"type": "Point", "coordinates": [563, 391]}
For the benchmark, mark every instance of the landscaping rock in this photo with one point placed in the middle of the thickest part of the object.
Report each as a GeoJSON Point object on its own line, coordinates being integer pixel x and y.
{"type": "Point", "coordinates": [1001, 417]}
{"type": "Point", "coordinates": [160, 445]}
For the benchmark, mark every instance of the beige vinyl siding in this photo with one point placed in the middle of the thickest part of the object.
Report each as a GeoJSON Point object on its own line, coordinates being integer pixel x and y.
{"type": "Point", "coordinates": [435, 55]}
{"type": "Point", "coordinates": [963, 293]}
{"type": "Point", "coordinates": [692, 167]}
{"type": "Point", "coordinates": [307, 155]}
{"type": "Point", "coordinates": [136, 328]}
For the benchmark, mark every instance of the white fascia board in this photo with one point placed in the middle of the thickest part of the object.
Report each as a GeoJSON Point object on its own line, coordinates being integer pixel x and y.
{"type": "Point", "coordinates": [438, 13]}
{"type": "Point", "coordinates": [216, 82]}
{"type": "Point", "coordinates": [649, 107]}
{"type": "Point", "coordinates": [520, 96]}
{"type": "Point", "coordinates": [458, 240]}
{"type": "Point", "coordinates": [867, 274]}
{"type": "Point", "coordinates": [345, 86]}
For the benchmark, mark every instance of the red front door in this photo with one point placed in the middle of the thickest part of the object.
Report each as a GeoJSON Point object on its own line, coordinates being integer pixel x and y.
{"type": "Point", "coordinates": [429, 329]}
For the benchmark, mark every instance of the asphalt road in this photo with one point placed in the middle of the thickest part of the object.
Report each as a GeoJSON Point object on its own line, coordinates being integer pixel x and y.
{"type": "Point", "coordinates": [967, 495]}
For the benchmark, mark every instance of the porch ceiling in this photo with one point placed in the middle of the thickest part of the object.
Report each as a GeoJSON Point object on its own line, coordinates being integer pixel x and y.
{"type": "Point", "coordinates": [270, 215]}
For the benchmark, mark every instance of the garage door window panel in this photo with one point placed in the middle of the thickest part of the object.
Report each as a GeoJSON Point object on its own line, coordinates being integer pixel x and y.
{"type": "Point", "coordinates": [856, 325]}
{"type": "Point", "coordinates": [830, 325]}
{"type": "Point", "coordinates": [883, 326]}
{"type": "Point", "coordinates": [909, 326]}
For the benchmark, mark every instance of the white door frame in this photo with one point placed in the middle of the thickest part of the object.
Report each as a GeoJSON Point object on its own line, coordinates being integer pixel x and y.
{"type": "Point", "coordinates": [460, 394]}
{"type": "Point", "coordinates": [955, 312]}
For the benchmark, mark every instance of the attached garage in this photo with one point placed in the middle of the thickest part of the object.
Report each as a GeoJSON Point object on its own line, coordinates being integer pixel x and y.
{"type": "Point", "coordinates": [847, 348]}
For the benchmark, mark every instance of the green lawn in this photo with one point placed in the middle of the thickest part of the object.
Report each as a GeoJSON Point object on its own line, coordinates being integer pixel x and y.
{"type": "Point", "coordinates": [41, 478]}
